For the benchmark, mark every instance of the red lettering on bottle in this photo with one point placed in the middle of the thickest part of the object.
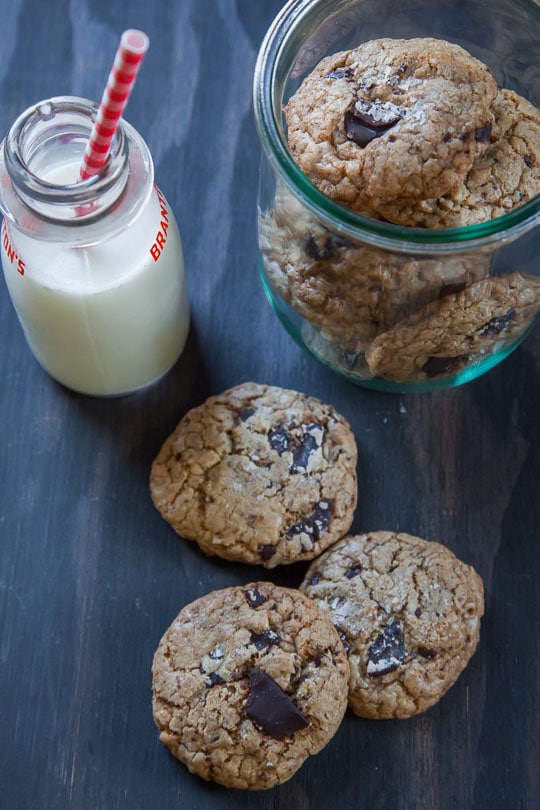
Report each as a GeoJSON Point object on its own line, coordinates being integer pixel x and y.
{"type": "Point", "coordinates": [160, 197]}
{"type": "Point", "coordinates": [10, 250]}
{"type": "Point", "coordinates": [161, 236]}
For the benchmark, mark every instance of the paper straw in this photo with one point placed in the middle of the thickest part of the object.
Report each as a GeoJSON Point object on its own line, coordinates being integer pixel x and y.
{"type": "Point", "coordinates": [131, 50]}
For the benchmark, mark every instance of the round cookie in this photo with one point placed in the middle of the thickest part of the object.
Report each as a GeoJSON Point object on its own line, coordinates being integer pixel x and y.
{"type": "Point", "coordinates": [504, 177]}
{"type": "Point", "coordinates": [350, 292]}
{"type": "Point", "coordinates": [408, 612]}
{"type": "Point", "coordinates": [459, 329]}
{"type": "Point", "coordinates": [391, 119]}
{"type": "Point", "coordinates": [258, 474]}
{"type": "Point", "coordinates": [248, 682]}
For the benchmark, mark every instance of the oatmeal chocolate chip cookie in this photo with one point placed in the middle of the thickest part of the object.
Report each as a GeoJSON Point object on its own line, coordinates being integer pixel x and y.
{"type": "Point", "coordinates": [391, 119]}
{"type": "Point", "coordinates": [408, 612]}
{"type": "Point", "coordinates": [350, 292]}
{"type": "Point", "coordinates": [457, 330]}
{"type": "Point", "coordinates": [258, 474]}
{"type": "Point", "coordinates": [504, 177]}
{"type": "Point", "coordinates": [248, 682]}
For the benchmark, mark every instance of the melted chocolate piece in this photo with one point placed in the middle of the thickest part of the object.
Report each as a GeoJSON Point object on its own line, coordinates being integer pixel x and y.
{"type": "Point", "coordinates": [497, 325]}
{"type": "Point", "coordinates": [254, 597]}
{"type": "Point", "coordinates": [345, 641]}
{"type": "Point", "coordinates": [279, 439]}
{"type": "Point", "coordinates": [282, 441]}
{"type": "Point", "coordinates": [271, 708]}
{"type": "Point", "coordinates": [302, 452]}
{"type": "Point", "coordinates": [212, 679]}
{"type": "Point", "coordinates": [353, 570]}
{"type": "Point", "coordinates": [418, 612]}
{"type": "Point", "coordinates": [246, 413]}
{"type": "Point", "coordinates": [315, 251]}
{"type": "Point", "coordinates": [265, 639]}
{"type": "Point", "coordinates": [313, 525]}
{"type": "Point", "coordinates": [315, 578]}
{"type": "Point", "coordinates": [451, 289]}
{"type": "Point", "coordinates": [358, 132]}
{"type": "Point", "coordinates": [366, 120]}
{"type": "Point", "coordinates": [529, 161]}
{"type": "Point", "coordinates": [387, 651]}
{"type": "Point", "coordinates": [426, 653]}
{"type": "Point", "coordinates": [311, 440]}
{"type": "Point", "coordinates": [340, 73]}
{"type": "Point", "coordinates": [442, 365]}
{"type": "Point", "coordinates": [266, 552]}
{"type": "Point", "coordinates": [483, 134]}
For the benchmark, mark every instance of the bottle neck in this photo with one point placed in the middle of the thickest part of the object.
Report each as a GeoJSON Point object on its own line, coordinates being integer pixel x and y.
{"type": "Point", "coordinates": [40, 191]}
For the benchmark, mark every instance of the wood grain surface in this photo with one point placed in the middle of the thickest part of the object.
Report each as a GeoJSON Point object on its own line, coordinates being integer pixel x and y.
{"type": "Point", "coordinates": [91, 576]}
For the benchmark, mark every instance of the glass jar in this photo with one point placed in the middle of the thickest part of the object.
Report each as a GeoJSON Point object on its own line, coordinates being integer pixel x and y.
{"type": "Point", "coordinates": [94, 268]}
{"type": "Point", "coordinates": [383, 304]}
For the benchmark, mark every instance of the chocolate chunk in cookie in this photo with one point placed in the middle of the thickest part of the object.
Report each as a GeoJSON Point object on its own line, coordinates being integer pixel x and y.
{"type": "Point", "coordinates": [366, 120]}
{"type": "Point", "coordinates": [387, 651]}
{"type": "Point", "coordinates": [254, 597]}
{"type": "Point", "coordinates": [258, 474]}
{"type": "Point", "coordinates": [236, 709]}
{"type": "Point", "coordinates": [409, 617]}
{"type": "Point", "coordinates": [312, 528]}
{"type": "Point", "coordinates": [271, 708]}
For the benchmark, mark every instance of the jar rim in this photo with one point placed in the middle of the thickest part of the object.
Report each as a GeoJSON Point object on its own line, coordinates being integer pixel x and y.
{"type": "Point", "coordinates": [380, 233]}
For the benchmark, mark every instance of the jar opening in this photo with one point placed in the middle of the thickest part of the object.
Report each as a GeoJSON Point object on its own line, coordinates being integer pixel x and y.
{"type": "Point", "coordinates": [300, 23]}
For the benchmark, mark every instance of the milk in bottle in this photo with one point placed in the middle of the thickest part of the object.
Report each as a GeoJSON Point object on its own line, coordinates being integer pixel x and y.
{"type": "Point", "coordinates": [94, 269]}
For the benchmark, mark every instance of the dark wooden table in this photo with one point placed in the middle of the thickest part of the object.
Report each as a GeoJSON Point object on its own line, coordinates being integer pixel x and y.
{"type": "Point", "coordinates": [91, 576]}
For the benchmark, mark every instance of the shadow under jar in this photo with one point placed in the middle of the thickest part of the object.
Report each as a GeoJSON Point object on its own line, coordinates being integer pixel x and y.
{"type": "Point", "coordinates": [393, 307]}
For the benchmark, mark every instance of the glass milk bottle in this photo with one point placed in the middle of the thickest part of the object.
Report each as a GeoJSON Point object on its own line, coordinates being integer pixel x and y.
{"type": "Point", "coordinates": [94, 268]}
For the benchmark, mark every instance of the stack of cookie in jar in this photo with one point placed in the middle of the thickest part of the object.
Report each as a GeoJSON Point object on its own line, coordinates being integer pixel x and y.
{"type": "Point", "coordinates": [249, 681]}
{"type": "Point", "coordinates": [415, 133]}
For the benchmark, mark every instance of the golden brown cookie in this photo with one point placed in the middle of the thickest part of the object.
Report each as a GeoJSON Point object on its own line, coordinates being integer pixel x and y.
{"type": "Point", "coordinates": [258, 474]}
{"type": "Point", "coordinates": [505, 176]}
{"type": "Point", "coordinates": [248, 682]}
{"type": "Point", "coordinates": [391, 119]}
{"type": "Point", "coordinates": [457, 330]}
{"type": "Point", "coordinates": [408, 612]}
{"type": "Point", "coordinates": [349, 291]}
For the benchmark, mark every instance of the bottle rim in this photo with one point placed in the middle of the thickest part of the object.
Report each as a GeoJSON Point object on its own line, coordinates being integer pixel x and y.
{"type": "Point", "coordinates": [18, 144]}
{"type": "Point", "coordinates": [267, 105]}
{"type": "Point", "coordinates": [44, 209]}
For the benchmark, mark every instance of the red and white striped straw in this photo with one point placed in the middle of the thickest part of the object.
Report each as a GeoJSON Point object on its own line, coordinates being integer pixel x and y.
{"type": "Point", "coordinates": [131, 50]}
